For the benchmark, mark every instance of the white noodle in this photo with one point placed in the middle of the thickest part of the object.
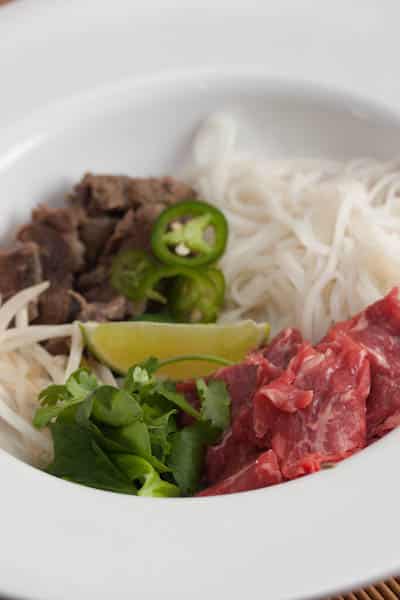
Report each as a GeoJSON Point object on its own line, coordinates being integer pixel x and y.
{"type": "Point", "coordinates": [19, 301]}
{"type": "Point", "coordinates": [18, 338]}
{"type": "Point", "coordinates": [311, 241]}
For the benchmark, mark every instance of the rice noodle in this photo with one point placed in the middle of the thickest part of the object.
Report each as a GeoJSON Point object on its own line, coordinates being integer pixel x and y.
{"type": "Point", "coordinates": [19, 301]}
{"type": "Point", "coordinates": [311, 241]}
{"type": "Point", "coordinates": [14, 339]}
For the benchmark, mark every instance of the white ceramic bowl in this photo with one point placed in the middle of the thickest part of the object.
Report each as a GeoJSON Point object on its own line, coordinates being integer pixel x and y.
{"type": "Point", "coordinates": [120, 86]}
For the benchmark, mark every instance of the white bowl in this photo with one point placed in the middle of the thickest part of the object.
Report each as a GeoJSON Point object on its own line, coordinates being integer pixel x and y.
{"type": "Point", "coordinates": [120, 87]}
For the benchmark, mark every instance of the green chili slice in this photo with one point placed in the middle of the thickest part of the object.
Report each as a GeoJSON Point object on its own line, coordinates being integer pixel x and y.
{"type": "Point", "coordinates": [129, 271]}
{"type": "Point", "coordinates": [197, 299]}
{"type": "Point", "coordinates": [190, 233]}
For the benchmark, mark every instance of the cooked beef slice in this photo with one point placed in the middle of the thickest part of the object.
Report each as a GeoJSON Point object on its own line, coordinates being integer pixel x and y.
{"type": "Point", "coordinates": [128, 234]}
{"type": "Point", "coordinates": [95, 285]}
{"type": "Point", "coordinates": [64, 220]}
{"type": "Point", "coordinates": [114, 310]}
{"type": "Point", "coordinates": [60, 254]}
{"type": "Point", "coordinates": [99, 194]}
{"type": "Point", "coordinates": [94, 233]}
{"type": "Point", "coordinates": [20, 267]}
{"type": "Point", "coordinates": [58, 346]}
{"type": "Point", "coordinates": [57, 306]}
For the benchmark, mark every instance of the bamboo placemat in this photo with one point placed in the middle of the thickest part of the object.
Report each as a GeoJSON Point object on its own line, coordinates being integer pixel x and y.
{"type": "Point", "coordinates": [387, 590]}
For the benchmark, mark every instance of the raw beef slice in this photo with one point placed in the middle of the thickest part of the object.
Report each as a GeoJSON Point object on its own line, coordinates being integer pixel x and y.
{"type": "Point", "coordinates": [377, 329]}
{"type": "Point", "coordinates": [315, 412]}
{"type": "Point", "coordinates": [239, 445]}
{"type": "Point", "coordinates": [261, 472]}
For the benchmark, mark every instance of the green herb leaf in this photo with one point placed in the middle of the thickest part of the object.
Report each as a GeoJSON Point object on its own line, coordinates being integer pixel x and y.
{"type": "Point", "coordinates": [53, 394]}
{"type": "Point", "coordinates": [167, 389]}
{"type": "Point", "coordinates": [81, 383]}
{"type": "Point", "coordinates": [56, 399]}
{"type": "Point", "coordinates": [115, 407]}
{"type": "Point", "coordinates": [139, 379]}
{"type": "Point", "coordinates": [215, 402]}
{"type": "Point", "coordinates": [135, 439]}
{"type": "Point", "coordinates": [187, 454]}
{"type": "Point", "coordinates": [140, 471]}
{"type": "Point", "coordinates": [160, 426]}
{"type": "Point", "coordinates": [80, 459]}
{"type": "Point", "coordinates": [45, 414]}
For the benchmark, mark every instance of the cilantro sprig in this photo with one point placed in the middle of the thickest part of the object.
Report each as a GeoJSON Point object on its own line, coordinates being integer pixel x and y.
{"type": "Point", "coordinates": [127, 439]}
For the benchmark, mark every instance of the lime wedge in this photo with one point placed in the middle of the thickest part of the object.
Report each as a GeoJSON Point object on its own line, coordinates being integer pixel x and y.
{"type": "Point", "coordinates": [121, 345]}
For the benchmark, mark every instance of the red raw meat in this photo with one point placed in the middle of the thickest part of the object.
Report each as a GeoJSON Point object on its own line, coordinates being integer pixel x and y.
{"type": "Point", "coordinates": [241, 382]}
{"type": "Point", "coordinates": [240, 445]}
{"type": "Point", "coordinates": [263, 471]}
{"type": "Point", "coordinates": [333, 425]}
{"type": "Point", "coordinates": [377, 329]}
{"type": "Point", "coordinates": [283, 347]}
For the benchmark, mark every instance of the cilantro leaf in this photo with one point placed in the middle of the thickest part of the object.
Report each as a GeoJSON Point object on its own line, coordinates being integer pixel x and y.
{"type": "Point", "coordinates": [139, 378]}
{"type": "Point", "coordinates": [53, 394]}
{"type": "Point", "coordinates": [45, 414]}
{"type": "Point", "coordinates": [167, 389]}
{"type": "Point", "coordinates": [160, 427]}
{"type": "Point", "coordinates": [140, 470]}
{"type": "Point", "coordinates": [187, 454]}
{"type": "Point", "coordinates": [78, 458]}
{"type": "Point", "coordinates": [215, 402]}
{"type": "Point", "coordinates": [56, 399]}
{"type": "Point", "coordinates": [115, 407]}
{"type": "Point", "coordinates": [81, 383]}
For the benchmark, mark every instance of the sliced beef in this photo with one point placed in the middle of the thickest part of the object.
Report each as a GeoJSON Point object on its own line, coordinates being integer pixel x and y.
{"type": "Point", "coordinates": [133, 231]}
{"type": "Point", "coordinates": [99, 194]}
{"type": "Point", "coordinates": [57, 306]}
{"type": "Point", "coordinates": [59, 258]}
{"type": "Point", "coordinates": [60, 254]}
{"type": "Point", "coordinates": [20, 267]}
{"type": "Point", "coordinates": [95, 233]}
{"type": "Point", "coordinates": [262, 471]}
{"type": "Point", "coordinates": [95, 288]}
{"type": "Point", "coordinates": [377, 329]}
{"type": "Point", "coordinates": [240, 444]}
{"type": "Point", "coordinates": [63, 220]}
{"type": "Point", "coordinates": [95, 278]}
{"type": "Point", "coordinates": [237, 448]}
{"type": "Point", "coordinates": [58, 346]}
{"type": "Point", "coordinates": [114, 310]}
{"type": "Point", "coordinates": [241, 382]}
{"type": "Point", "coordinates": [332, 426]}
{"type": "Point", "coordinates": [283, 347]}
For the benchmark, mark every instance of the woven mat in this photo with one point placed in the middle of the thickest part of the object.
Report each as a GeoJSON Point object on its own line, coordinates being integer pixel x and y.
{"type": "Point", "coordinates": [388, 590]}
